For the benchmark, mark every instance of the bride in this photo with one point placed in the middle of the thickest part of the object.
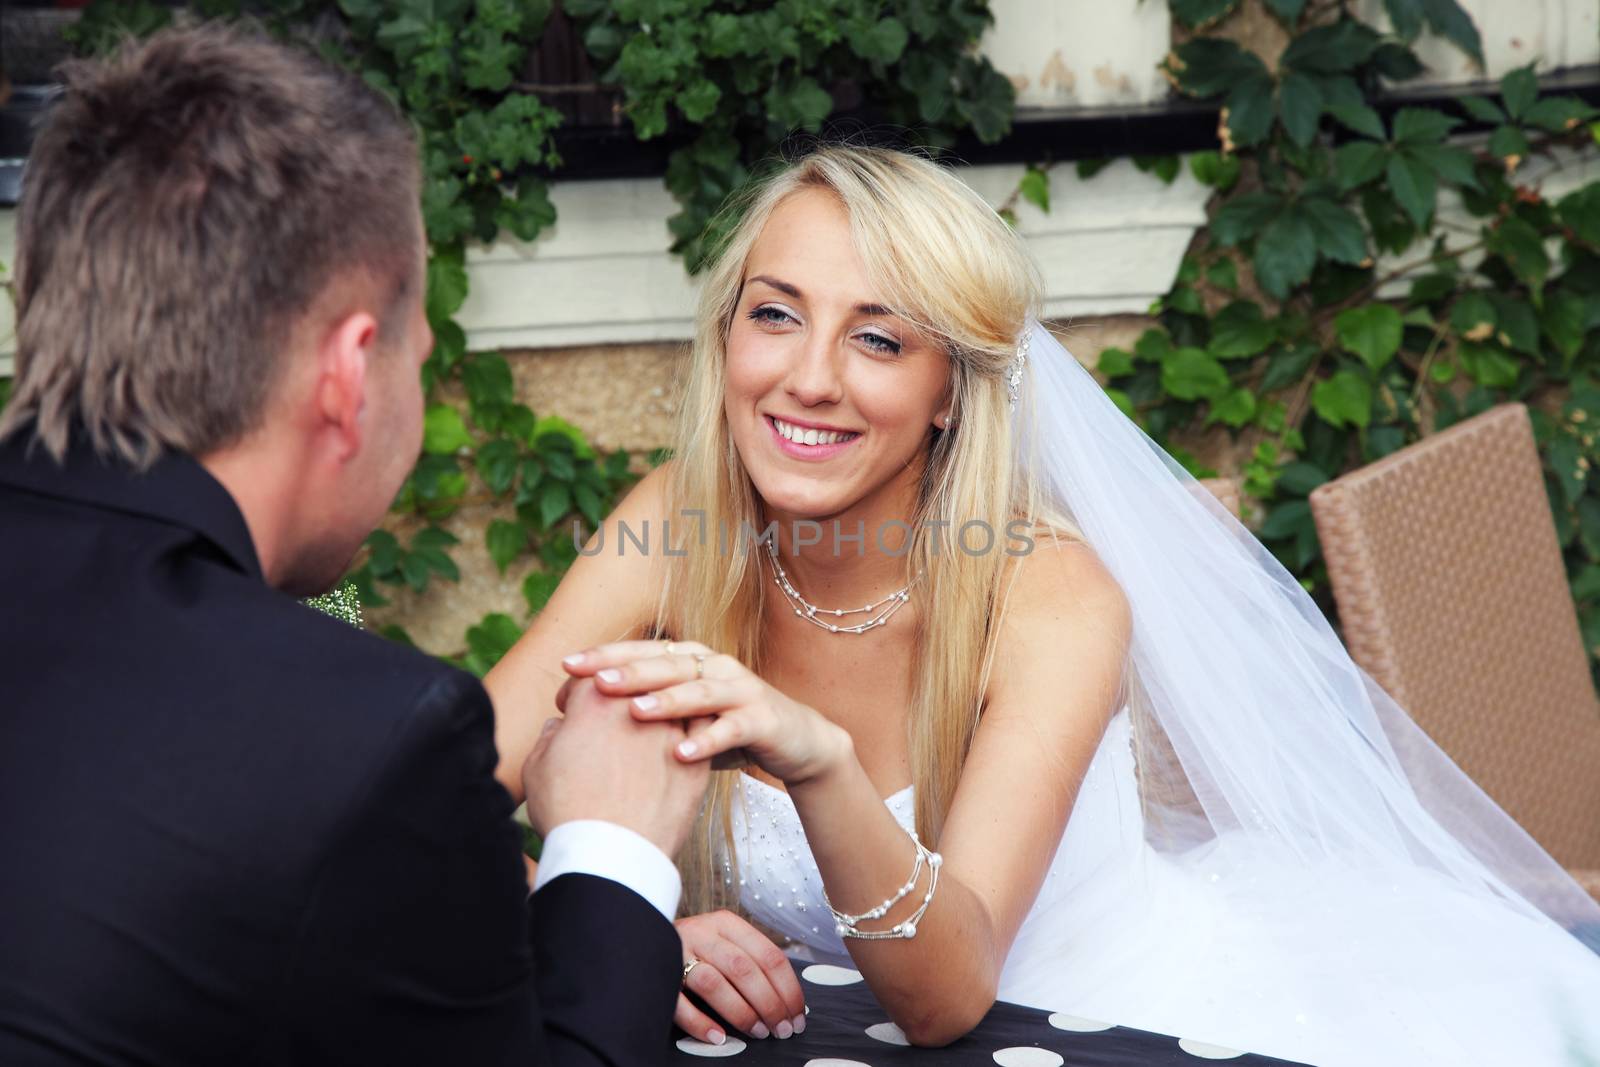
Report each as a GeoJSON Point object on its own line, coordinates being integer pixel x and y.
{"type": "Point", "coordinates": [914, 569]}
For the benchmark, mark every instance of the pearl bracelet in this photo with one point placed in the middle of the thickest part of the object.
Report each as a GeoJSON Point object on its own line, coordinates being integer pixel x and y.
{"type": "Point", "coordinates": [845, 925]}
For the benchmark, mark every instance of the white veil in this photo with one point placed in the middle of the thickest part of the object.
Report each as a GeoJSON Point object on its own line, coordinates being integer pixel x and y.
{"type": "Point", "coordinates": [1247, 714]}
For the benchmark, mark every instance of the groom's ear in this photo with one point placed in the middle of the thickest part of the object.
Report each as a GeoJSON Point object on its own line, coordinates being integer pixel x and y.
{"type": "Point", "coordinates": [343, 360]}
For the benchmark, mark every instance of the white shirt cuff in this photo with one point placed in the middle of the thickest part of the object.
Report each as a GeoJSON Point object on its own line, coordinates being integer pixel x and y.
{"type": "Point", "coordinates": [606, 850]}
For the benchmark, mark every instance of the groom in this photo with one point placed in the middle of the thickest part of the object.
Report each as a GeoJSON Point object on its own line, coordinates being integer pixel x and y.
{"type": "Point", "coordinates": [233, 830]}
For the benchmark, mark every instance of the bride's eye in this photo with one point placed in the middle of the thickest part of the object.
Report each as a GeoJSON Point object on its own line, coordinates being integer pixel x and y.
{"type": "Point", "coordinates": [879, 343]}
{"type": "Point", "coordinates": [768, 315]}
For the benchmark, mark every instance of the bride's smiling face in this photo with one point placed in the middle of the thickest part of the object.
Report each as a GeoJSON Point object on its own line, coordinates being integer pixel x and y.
{"type": "Point", "coordinates": [829, 395]}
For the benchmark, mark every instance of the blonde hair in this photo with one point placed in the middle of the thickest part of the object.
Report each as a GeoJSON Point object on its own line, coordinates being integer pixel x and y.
{"type": "Point", "coordinates": [944, 260]}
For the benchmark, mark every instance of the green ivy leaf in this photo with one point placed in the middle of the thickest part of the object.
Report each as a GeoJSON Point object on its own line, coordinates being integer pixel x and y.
{"type": "Point", "coordinates": [1581, 211]}
{"type": "Point", "coordinates": [1211, 66]}
{"type": "Point", "coordinates": [1250, 110]}
{"type": "Point", "coordinates": [1285, 519]}
{"type": "Point", "coordinates": [1338, 231]}
{"type": "Point", "coordinates": [555, 500]}
{"type": "Point", "coordinates": [1343, 46]}
{"type": "Point", "coordinates": [1240, 330]}
{"type": "Point", "coordinates": [1396, 62]}
{"type": "Point", "coordinates": [988, 104]}
{"type": "Point", "coordinates": [1422, 125]}
{"type": "Point", "coordinates": [1488, 364]}
{"type": "Point", "coordinates": [1406, 17]}
{"type": "Point", "coordinates": [1358, 162]}
{"type": "Point", "coordinates": [1473, 317]}
{"type": "Point", "coordinates": [1224, 274]}
{"type": "Point", "coordinates": [1446, 18]}
{"type": "Point", "coordinates": [505, 541]}
{"type": "Point", "coordinates": [1288, 366]}
{"type": "Point", "coordinates": [1372, 333]}
{"type": "Point", "coordinates": [1516, 325]}
{"type": "Point", "coordinates": [537, 589]}
{"type": "Point", "coordinates": [497, 464]}
{"type": "Point", "coordinates": [1185, 299]}
{"type": "Point", "coordinates": [1285, 252]}
{"type": "Point", "coordinates": [1520, 245]}
{"type": "Point", "coordinates": [1519, 89]}
{"type": "Point", "coordinates": [1299, 478]}
{"type": "Point", "coordinates": [1218, 171]}
{"type": "Point", "coordinates": [1565, 318]}
{"type": "Point", "coordinates": [884, 41]}
{"type": "Point", "coordinates": [1360, 118]}
{"type": "Point", "coordinates": [1299, 106]}
{"type": "Point", "coordinates": [1413, 184]}
{"type": "Point", "coordinates": [443, 431]}
{"type": "Point", "coordinates": [1243, 217]}
{"type": "Point", "coordinates": [1114, 363]}
{"type": "Point", "coordinates": [1164, 167]}
{"type": "Point", "coordinates": [1287, 10]}
{"type": "Point", "coordinates": [1343, 400]}
{"type": "Point", "coordinates": [1563, 454]}
{"type": "Point", "coordinates": [447, 284]}
{"type": "Point", "coordinates": [487, 377]}
{"type": "Point", "coordinates": [1452, 164]}
{"type": "Point", "coordinates": [1235, 408]}
{"type": "Point", "coordinates": [1558, 114]}
{"type": "Point", "coordinates": [1035, 188]}
{"type": "Point", "coordinates": [1508, 141]}
{"type": "Point", "coordinates": [489, 641]}
{"type": "Point", "coordinates": [1482, 108]}
{"type": "Point", "coordinates": [1191, 374]}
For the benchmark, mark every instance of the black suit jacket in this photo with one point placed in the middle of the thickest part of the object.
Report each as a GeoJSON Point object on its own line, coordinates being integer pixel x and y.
{"type": "Point", "coordinates": [236, 831]}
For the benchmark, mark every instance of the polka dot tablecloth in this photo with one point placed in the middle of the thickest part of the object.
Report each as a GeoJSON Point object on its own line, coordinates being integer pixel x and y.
{"type": "Point", "coordinates": [846, 1028]}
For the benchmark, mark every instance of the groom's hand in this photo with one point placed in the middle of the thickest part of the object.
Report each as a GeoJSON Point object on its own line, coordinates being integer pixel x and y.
{"type": "Point", "coordinates": [596, 762]}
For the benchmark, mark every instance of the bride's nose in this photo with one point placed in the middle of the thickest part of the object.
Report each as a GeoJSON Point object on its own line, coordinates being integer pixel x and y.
{"type": "Point", "coordinates": [814, 373]}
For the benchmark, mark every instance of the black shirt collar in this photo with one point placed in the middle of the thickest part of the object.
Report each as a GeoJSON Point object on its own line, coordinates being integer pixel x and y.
{"type": "Point", "coordinates": [175, 490]}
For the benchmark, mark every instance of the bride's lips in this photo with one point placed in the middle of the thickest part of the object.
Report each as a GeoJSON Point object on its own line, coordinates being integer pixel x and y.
{"type": "Point", "coordinates": [806, 452]}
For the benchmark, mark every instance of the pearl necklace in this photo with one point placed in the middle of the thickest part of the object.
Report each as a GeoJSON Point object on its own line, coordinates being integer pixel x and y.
{"type": "Point", "coordinates": [815, 615]}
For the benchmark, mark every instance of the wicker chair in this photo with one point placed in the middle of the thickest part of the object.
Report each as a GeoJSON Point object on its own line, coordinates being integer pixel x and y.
{"type": "Point", "coordinates": [1452, 594]}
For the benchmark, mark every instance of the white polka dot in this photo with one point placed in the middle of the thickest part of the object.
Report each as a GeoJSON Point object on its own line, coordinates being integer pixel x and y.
{"type": "Point", "coordinates": [827, 974]}
{"type": "Point", "coordinates": [1078, 1024]}
{"type": "Point", "coordinates": [732, 1047]}
{"type": "Point", "coordinates": [1025, 1056]}
{"type": "Point", "coordinates": [1207, 1052]}
{"type": "Point", "coordinates": [888, 1033]}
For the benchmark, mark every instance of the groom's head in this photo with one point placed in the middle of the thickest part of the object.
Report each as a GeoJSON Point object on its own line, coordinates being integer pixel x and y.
{"type": "Point", "coordinates": [220, 253]}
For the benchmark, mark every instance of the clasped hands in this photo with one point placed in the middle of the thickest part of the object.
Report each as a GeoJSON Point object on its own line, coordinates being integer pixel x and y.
{"type": "Point", "coordinates": [732, 715]}
{"type": "Point", "coordinates": [728, 715]}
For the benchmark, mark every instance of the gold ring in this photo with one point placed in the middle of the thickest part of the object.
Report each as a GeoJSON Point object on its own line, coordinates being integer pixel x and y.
{"type": "Point", "coordinates": [687, 967]}
{"type": "Point", "coordinates": [699, 665]}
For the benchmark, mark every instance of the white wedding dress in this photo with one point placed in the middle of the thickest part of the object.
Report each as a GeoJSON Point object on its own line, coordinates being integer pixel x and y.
{"type": "Point", "coordinates": [1317, 962]}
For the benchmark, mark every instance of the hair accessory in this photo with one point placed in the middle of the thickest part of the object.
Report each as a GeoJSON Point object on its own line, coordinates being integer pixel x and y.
{"type": "Point", "coordinates": [1014, 376]}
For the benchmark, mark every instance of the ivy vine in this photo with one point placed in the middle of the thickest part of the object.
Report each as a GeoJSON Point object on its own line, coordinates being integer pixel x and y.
{"type": "Point", "coordinates": [1334, 310]}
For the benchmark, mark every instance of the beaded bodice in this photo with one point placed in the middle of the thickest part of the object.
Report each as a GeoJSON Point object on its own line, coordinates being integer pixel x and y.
{"type": "Point", "coordinates": [779, 886]}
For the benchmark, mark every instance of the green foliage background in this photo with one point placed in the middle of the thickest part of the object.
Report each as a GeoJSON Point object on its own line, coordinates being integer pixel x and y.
{"type": "Point", "coordinates": [1281, 327]}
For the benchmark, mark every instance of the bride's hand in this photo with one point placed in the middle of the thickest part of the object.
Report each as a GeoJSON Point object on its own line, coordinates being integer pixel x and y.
{"type": "Point", "coordinates": [741, 976]}
{"type": "Point", "coordinates": [787, 739]}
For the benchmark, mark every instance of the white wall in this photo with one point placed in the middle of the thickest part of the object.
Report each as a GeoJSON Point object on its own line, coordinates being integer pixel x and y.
{"type": "Point", "coordinates": [1080, 53]}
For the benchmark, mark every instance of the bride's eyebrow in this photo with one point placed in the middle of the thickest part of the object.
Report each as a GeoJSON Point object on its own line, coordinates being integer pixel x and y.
{"type": "Point", "coordinates": [794, 293]}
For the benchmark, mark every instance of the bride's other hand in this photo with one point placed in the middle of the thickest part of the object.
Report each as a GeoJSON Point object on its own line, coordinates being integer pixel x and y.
{"type": "Point", "coordinates": [742, 976]}
{"type": "Point", "coordinates": [738, 710]}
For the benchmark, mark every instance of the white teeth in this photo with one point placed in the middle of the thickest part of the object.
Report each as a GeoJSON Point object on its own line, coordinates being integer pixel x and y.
{"type": "Point", "coordinates": [807, 436]}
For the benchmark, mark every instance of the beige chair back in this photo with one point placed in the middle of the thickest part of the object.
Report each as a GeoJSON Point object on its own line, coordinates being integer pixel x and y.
{"type": "Point", "coordinates": [1452, 594]}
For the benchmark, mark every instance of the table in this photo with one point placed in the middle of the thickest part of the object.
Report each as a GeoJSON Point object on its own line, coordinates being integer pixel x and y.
{"type": "Point", "coordinates": [847, 1028]}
